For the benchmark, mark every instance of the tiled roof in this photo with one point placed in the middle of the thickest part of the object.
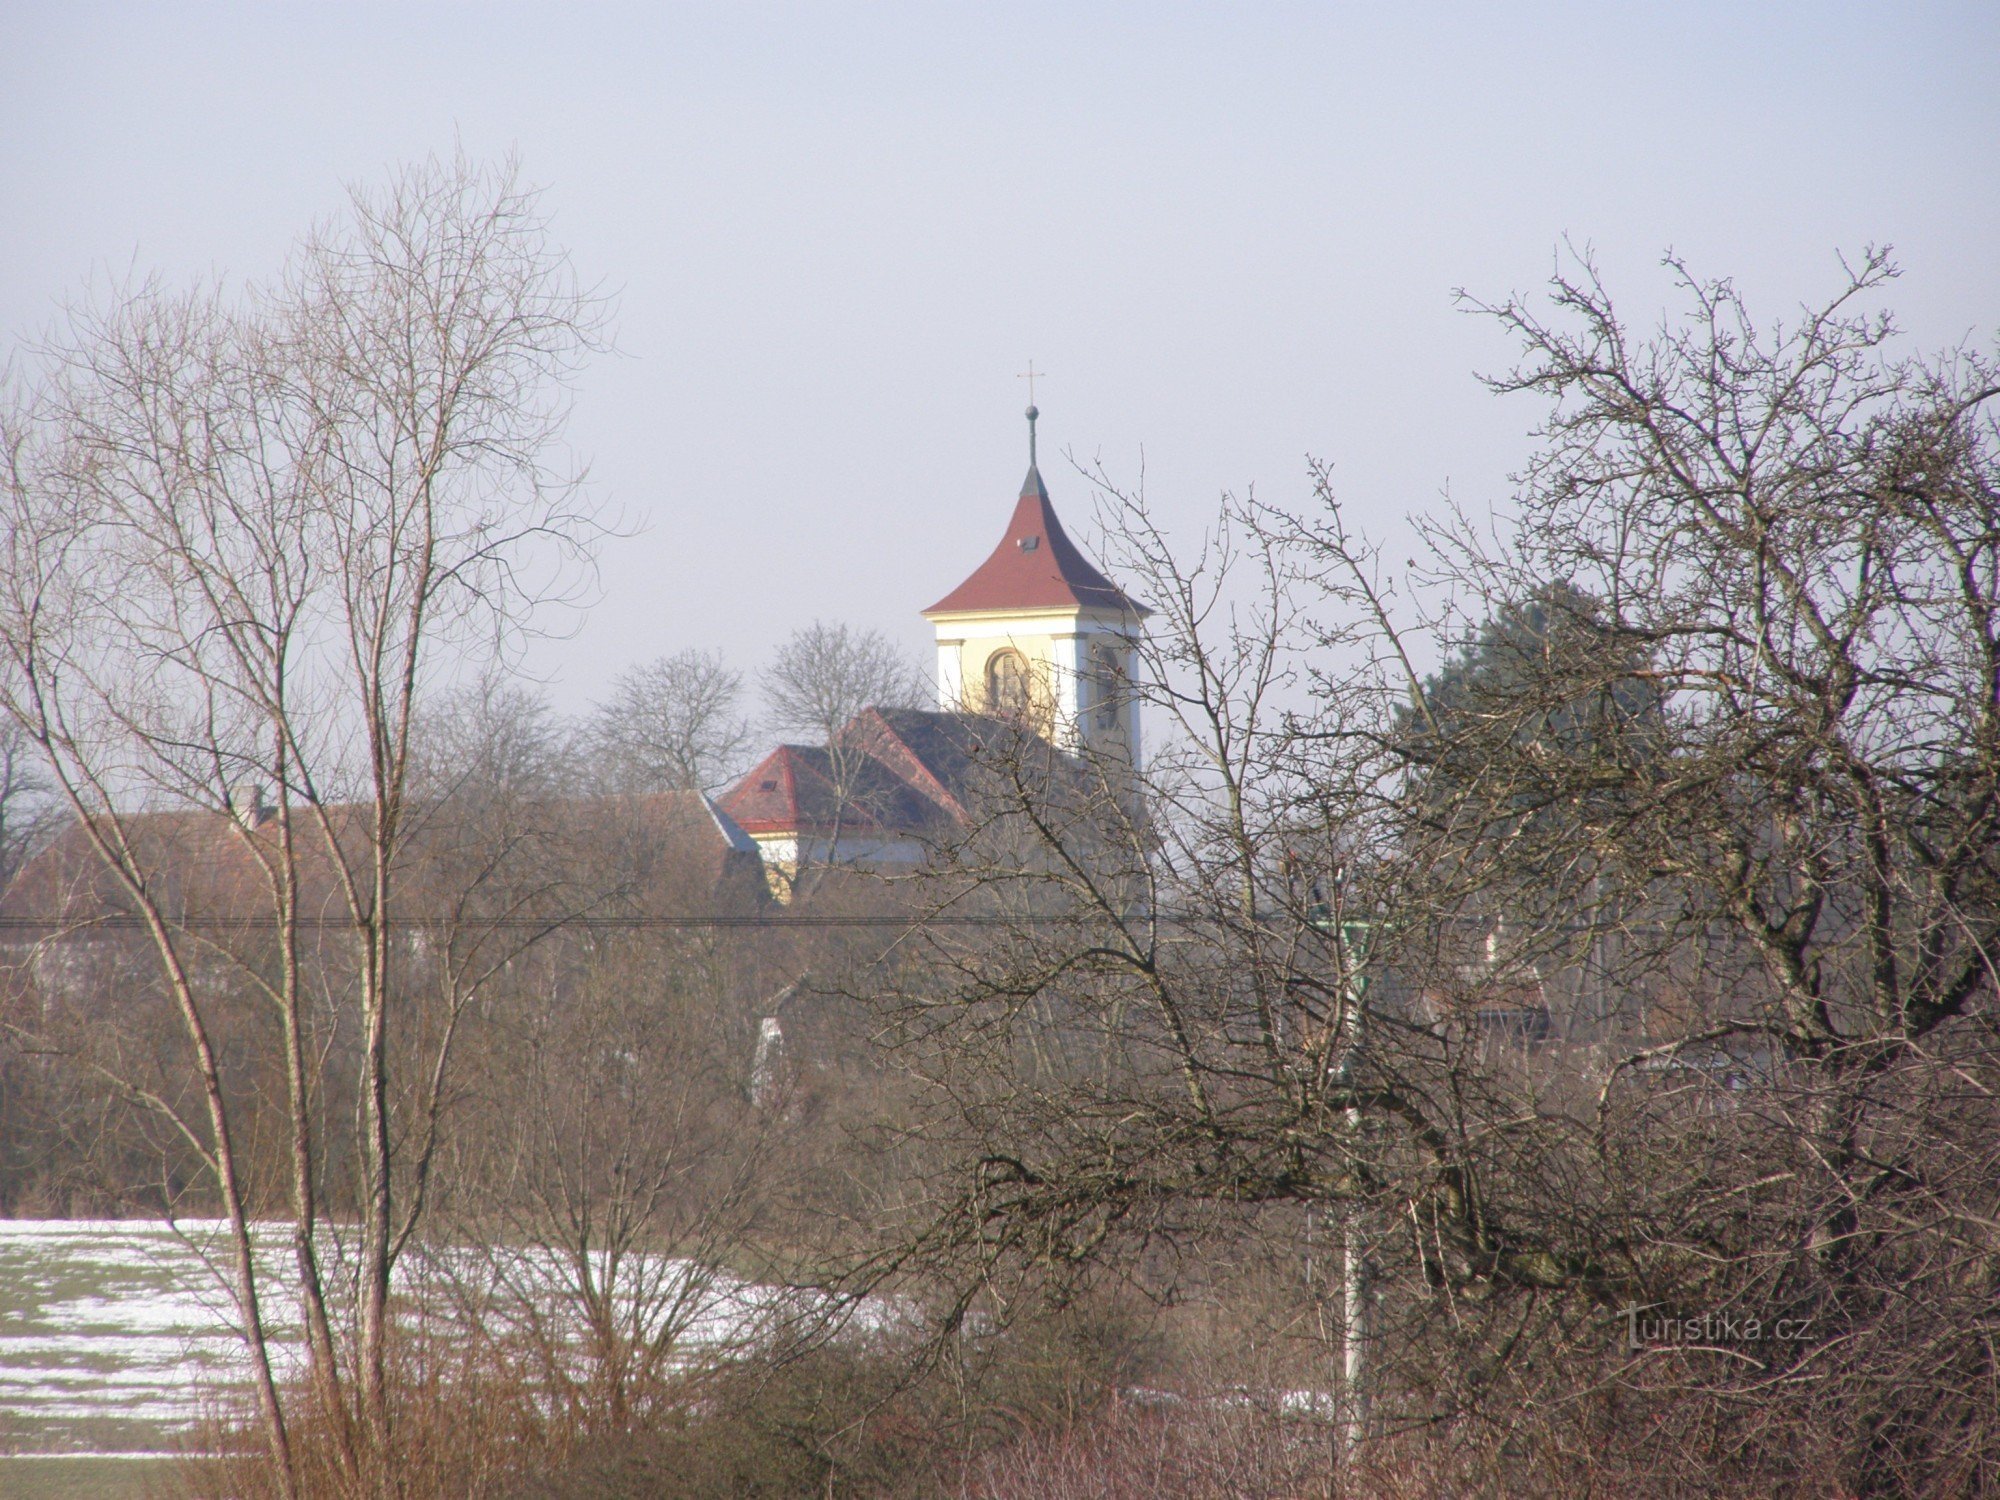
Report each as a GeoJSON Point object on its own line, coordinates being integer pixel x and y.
{"type": "Point", "coordinates": [798, 788]}
{"type": "Point", "coordinates": [931, 750]}
{"type": "Point", "coordinates": [678, 848]}
{"type": "Point", "coordinates": [913, 772]}
{"type": "Point", "coordinates": [767, 799]}
{"type": "Point", "coordinates": [1036, 566]}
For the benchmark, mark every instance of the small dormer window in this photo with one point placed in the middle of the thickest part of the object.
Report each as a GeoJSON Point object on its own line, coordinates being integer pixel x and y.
{"type": "Point", "coordinates": [767, 786]}
{"type": "Point", "coordinates": [1030, 543]}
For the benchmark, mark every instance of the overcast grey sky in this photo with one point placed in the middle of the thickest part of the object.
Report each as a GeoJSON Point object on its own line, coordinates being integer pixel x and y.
{"type": "Point", "coordinates": [1231, 233]}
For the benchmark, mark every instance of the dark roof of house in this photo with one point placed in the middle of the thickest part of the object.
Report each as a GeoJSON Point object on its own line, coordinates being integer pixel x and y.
{"type": "Point", "coordinates": [197, 863]}
{"type": "Point", "coordinates": [1036, 566]}
{"type": "Point", "coordinates": [931, 750]}
{"type": "Point", "coordinates": [911, 771]}
{"type": "Point", "coordinates": [805, 789]}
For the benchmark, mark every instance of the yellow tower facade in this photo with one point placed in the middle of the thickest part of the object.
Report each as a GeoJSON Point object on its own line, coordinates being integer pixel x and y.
{"type": "Point", "coordinates": [1038, 633]}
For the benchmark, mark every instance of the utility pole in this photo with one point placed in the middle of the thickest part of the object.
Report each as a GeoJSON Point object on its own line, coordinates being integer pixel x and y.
{"type": "Point", "coordinates": [1353, 938]}
{"type": "Point", "coordinates": [1356, 1291]}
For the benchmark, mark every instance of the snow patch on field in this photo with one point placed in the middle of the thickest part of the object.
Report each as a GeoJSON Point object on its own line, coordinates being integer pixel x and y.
{"type": "Point", "coordinates": [113, 1332]}
{"type": "Point", "coordinates": [109, 1332]}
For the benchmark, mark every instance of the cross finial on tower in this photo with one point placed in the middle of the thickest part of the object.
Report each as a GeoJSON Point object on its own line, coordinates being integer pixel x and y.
{"type": "Point", "coordinates": [1029, 375]}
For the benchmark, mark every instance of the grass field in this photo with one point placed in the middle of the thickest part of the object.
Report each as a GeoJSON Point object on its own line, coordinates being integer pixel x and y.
{"type": "Point", "coordinates": [114, 1333]}
{"type": "Point", "coordinates": [110, 1334]}
{"type": "Point", "coordinates": [87, 1476]}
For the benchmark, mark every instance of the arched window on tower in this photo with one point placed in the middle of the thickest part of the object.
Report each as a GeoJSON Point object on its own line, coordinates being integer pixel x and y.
{"type": "Point", "coordinates": [1008, 691]}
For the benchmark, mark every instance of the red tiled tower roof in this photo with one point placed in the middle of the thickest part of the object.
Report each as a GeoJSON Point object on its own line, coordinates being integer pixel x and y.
{"type": "Point", "coordinates": [1036, 566]}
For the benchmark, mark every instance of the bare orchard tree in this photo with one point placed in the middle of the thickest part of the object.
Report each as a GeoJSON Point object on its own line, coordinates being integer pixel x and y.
{"type": "Point", "coordinates": [613, 1165]}
{"type": "Point", "coordinates": [1731, 738]}
{"type": "Point", "coordinates": [1137, 1036]}
{"type": "Point", "coordinates": [246, 535]}
{"type": "Point", "coordinates": [1799, 528]}
{"type": "Point", "coordinates": [672, 724]}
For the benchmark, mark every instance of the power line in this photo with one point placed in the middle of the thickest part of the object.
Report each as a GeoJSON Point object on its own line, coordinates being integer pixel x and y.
{"type": "Point", "coordinates": [130, 922]}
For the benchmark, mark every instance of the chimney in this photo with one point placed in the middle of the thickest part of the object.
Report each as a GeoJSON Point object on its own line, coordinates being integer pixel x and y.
{"type": "Point", "coordinates": [247, 805]}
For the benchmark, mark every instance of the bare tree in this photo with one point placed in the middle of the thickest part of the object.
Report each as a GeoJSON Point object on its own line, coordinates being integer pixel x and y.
{"type": "Point", "coordinates": [494, 741]}
{"type": "Point", "coordinates": [245, 537]}
{"type": "Point", "coordinates": [826, 674]}
{"type": "Point", "coordinates": [672, 724]}
{"type": "Point", "coordinates": [614, 1166]}
{"type": "Point", "coordinates": [821, 678]}
{"type": "Point", "coordinates": [27, 808]}
{"type": "Point", "coordinates": [1758, 785]}
{"type": "Point", "coordinates": [1801, 531]}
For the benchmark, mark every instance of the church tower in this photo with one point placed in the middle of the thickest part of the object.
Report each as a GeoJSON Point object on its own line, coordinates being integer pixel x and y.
{"type": "Point", "coordinates": [1037, 633]}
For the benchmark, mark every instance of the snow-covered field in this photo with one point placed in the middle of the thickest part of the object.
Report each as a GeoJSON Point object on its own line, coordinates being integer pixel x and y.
{"type": "Point", "coordinates": [113, 1332]}
{"type": "Point", "coordinates": [110, 1334]}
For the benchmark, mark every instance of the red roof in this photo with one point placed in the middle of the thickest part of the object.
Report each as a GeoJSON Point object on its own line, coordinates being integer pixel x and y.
{"type": "Point", "coordinates": [768, 800]}
{"type": "Point", "coordinates": [798, 788]}
{"type": "Point", "coordinates": [676, 851]}
{"type": "Point", "coordinates": [911, 773]}
{"type": "Point", "coordinates": [1036, 566]}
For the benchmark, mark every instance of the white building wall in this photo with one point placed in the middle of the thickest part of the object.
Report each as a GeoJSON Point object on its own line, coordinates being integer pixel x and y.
{"type": "Point", "coordinates": [1065, 671]}
{"type": "Point", "coordinates": [951, 674]}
